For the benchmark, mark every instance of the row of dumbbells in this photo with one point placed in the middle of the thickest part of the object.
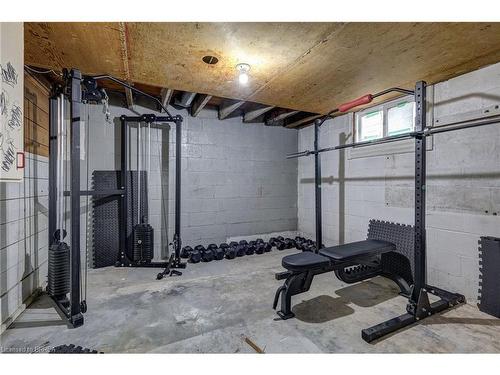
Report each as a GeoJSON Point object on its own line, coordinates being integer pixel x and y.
{"type": "Point", "coordinates": [242, 248]}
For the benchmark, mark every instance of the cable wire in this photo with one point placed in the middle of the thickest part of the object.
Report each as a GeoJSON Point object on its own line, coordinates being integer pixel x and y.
{"type": "Point", "coordinates": [87, 125]}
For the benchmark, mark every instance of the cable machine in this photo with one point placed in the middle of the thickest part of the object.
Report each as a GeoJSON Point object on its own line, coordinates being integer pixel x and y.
{"type": "Point", "coordinates": [64, 275]}
{"type": "Point", "coordinates": [418, 306]}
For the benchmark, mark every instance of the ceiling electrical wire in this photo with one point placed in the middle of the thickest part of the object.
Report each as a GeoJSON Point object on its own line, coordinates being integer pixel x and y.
{"type": "Point", "coordinates": [42, 71]}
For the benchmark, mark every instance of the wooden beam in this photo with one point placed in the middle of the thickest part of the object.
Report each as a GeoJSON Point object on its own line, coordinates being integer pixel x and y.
{"type": "Point", "coordinates": [226, 109]}
{"type": "Point", "coordinates": [130, 98]}
{"type": "Point", "coordinates": [166, 95]}
{"type": "Point", "coordinates": [186, 99]}
{"type": "Point", "coordinates": [122, 29]}
{"type": "Point", "coordinates": [252, 115]}
{"type": "Point", "coordinates": [302, 121]}
{"type": "Point", "coordinates": [279, 117]}
{"type": "Point", "coordinates": [199, 103]}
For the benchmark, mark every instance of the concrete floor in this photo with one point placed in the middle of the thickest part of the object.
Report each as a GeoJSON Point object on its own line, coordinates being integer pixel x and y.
{"type": "Point", "coordinates": [214, 306]}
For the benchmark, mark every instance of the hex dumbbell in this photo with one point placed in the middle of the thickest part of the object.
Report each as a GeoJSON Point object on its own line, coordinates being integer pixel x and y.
{"type": "Point", "coordinates": [240, 250]}
{"type": "Point", "coordinates": [186, 250]}
{"type": "Point", "coordinates": [194, 256]}
{"type": "Point", "coordinates": [231, 252]}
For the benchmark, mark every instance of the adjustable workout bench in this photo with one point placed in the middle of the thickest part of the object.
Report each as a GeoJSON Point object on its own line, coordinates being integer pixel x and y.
{"type": "Point", "coordinates": [388, 252]}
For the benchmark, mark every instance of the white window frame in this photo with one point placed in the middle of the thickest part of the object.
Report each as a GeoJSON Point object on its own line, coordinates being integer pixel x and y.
{"type": "Point", "coordinates": [400, 147]}
{"type": "Point", "coordinates": [384, 107]}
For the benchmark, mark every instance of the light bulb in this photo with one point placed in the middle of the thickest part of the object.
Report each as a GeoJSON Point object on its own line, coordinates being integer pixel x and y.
{"type": "Point", "coordinates": [243, 78]}
{"type": "Point", "coordinates": [243, 73]}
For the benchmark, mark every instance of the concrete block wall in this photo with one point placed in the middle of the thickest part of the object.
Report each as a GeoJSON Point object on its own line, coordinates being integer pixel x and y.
{"type": "Point", "coordinates": [23, 238]}
{"type": "Point", "coordinates": [236, 180]}
{"type": "Point", "coordinates": [463, 190]}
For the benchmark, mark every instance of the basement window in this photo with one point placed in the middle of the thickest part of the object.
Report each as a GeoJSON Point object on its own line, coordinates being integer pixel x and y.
{"type": "Point", "coordinates": [391, 118]}
{"type": "Point", "coordinates": [387, 119]}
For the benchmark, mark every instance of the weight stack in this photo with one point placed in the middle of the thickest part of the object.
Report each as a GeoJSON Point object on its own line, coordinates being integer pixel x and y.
{"type": "Point", "coordinates": [489, 276]}
{"type": "Point", "coordinates": [58, 270]}
{"type": "Point", "coordinates": [143, 247]}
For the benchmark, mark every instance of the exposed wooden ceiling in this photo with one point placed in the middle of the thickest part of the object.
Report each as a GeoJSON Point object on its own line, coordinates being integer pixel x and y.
{"type": "Point", "coordinates": [307, 67]}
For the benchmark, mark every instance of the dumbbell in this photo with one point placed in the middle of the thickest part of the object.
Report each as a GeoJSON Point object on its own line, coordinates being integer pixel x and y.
{"type": "Point", "coordinates": [280, 245]}
{"type": "Point", "coordinates": [224, 247]}
{"type": "Point", "coordinates": [299, 242]}
{"type": "Point", "coordinates": [240, 250]}
{"type": "Point", "coordinates": [252, 243]}
{"type": "Point", "coordinates": [259, 240]}
{"type": "Point", "coordinates": [230, 252]}
{"type": "Point", "coordinates": [250, 249]}
{"type": "Point", "coordinates": [259, 248]}
{"type": "Point", "coordinates": [309, 245]}
{"type": "Point", "coordinates": [244, 242]}
{"type": "Point", "coordinates": [186, 250]}
{"type": "Point", "coordinates": [219, 253]}
{"type": "Point", "coordinates": [267, 247]}
{"type": "Point", "coordinates": [289, 243]}
{"type": "Point", "coordinates": [272, 241]}
{"type": "Point", "coordinates": [200, 248]}
{"type": "Point", "coordinates": [194, 256]}
{"type": "Point", "coordinates": [233, 244]}
{"type": "Point", "coordinates": [215, 253]}
{"type": "Point", "coordinates": [207, 255]}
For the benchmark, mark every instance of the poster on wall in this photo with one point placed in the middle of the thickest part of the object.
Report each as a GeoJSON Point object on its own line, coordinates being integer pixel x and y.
{"type": "Point", "coordinates": [11, 101]}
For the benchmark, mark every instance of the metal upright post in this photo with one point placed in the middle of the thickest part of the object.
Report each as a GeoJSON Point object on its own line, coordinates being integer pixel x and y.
{"type": "Point", "coordinates": [317, 186]}
{"type": "Point", "coordinates": [75, 77]}
{"type": "Point", "coordinates": [420, 181]}
{"type": "Point", "coordinates": [178, 166]}
{"type": "Point", "coordinates": [53, 118]}
{"type": "Point", "coordinates": [124, 187]}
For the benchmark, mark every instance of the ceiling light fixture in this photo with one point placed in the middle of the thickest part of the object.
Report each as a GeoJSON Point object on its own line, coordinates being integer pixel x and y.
{"type": "Point", "coordinates": [243, 70]}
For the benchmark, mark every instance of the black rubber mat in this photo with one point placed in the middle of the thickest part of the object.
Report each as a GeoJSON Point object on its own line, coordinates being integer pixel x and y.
{"type": "Point", "coordinates": [489, 279]}
{"type": "Point", "coordinates": [106, 214]}
{"type": "Point", "coordinates": [72, 349]}
{"type": "Point", "coordinates": [403, 236]}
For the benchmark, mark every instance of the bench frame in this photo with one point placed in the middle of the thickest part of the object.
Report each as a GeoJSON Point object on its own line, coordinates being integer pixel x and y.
{"type": "Point", "coordinates": [358, 269]}
{"type": "Point", "coordinates": [297, 282]}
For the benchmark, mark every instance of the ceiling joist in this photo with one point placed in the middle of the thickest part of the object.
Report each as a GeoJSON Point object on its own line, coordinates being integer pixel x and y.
{"type": "Point", "coordinates": [226, 109]}
{"type": "Point", "coordinates": [252, 115]}
{"type": "Point", "coordinates": [199, 103]}
{"type": "Point", "coordinates": [278, 117]}
{"type": "Point", "coordinates": [166, 96]}
{"type": "Point", "coordinates": [186, 99]}
{"type": "Point", "coordinates": [122, 28]}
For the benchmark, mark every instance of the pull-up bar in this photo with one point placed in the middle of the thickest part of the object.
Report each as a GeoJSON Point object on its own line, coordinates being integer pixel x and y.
{"type": "Point", "coordinates": [362, 100]}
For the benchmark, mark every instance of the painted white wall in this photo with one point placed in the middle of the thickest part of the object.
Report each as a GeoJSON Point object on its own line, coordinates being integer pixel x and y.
{"type": "Point", "coordinates": [23, 238]}
{"type": "Point", "coordinates": [11, 100]}
{"type": "Point", "coordinates": [463, 187]}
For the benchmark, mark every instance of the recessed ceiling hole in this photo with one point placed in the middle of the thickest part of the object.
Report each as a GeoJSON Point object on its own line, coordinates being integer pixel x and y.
{"type": "Point", "coordinates": [210, 60]}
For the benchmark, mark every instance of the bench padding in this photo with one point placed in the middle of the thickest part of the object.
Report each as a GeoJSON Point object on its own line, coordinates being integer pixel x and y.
{"type": "Point", "coordinates": [304, 261]}
{"type": "Point", "coordinates": [354, 250]}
